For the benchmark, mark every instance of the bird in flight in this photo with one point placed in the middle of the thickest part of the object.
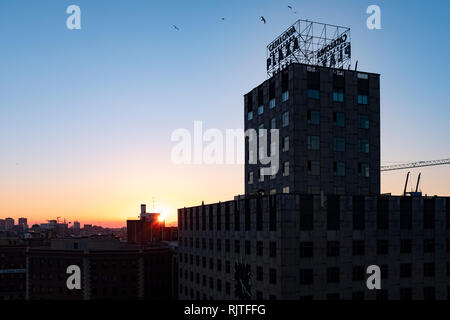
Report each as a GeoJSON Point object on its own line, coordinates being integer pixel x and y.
{"type": "Point", "coordinates": [175, 27]}
{"type": "Point", "coordinates": [223, 18]}
{"type": "Point", "coordinates": [263, 19]}
{"type": "Point", "coordinates": [290, 7]}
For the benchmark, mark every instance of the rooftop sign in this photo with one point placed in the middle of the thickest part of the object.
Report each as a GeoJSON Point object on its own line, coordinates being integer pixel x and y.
{"type": "Point", "coordinates": [311, 43]}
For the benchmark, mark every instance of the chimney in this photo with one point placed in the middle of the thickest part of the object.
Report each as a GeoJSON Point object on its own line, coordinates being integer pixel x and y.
{"type": "Point", "coordinates": [143, 209]}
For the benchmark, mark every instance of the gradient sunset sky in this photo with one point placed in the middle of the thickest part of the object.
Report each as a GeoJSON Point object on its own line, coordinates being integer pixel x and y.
{"type": "Point", "coordinates": [87, 115]}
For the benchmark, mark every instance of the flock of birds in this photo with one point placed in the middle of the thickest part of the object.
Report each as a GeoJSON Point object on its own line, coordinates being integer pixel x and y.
{"type": "Point", "coordinates": [263, 20]}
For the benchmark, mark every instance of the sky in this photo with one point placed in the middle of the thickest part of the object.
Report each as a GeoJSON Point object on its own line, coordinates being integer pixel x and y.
{"type": "Point", "coordinates": [86, 116]}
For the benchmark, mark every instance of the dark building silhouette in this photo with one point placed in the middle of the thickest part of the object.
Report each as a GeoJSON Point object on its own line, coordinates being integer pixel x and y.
{"type": "Point", "coordinates": [147, 229]}
{"type": "Point", "coordinates": [108, 271]}
{"type": "Point", "coordinates": [12, 269]}
{"type": "Point", "coordinates": [329, 131]}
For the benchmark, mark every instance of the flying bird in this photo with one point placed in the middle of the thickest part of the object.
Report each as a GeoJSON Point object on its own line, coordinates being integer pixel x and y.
{"type": "Point", "coordinates": [176, 28]}
{"type": "Point", "coordinates": [263, 19]}
{"type": "Point", "coordinates": [290, 7]}
{"type": "Point", "coordinates": [223, 18]}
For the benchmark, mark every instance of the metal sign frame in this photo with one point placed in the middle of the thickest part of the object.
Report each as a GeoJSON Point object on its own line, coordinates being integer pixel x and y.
{"type": "Point", "coordinates": [312, 43]}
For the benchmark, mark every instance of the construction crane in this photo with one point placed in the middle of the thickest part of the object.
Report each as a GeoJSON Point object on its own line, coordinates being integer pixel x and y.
{"type": "Point", "coordinates": [418, 164]}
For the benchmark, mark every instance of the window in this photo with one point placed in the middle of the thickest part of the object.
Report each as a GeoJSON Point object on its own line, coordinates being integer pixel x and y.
{"type": "Point", "coordinates": [363, 121]}
{"type": "Point", "coordinates": [285, 119]}
{"type": "Point", "coordinates": [362, 99]}
{"type": "Point", "coordinates": [272, 276]}
{"type": "Point", "coordinates": [333, 296]}
{"type": "Point", "coordinates": [237, 246]}
{"type": "Point", "coordinates": [227, 266]}
{"type": "Point", "coordinates": [405, 270]}
{"type": "Point", "coordinates": [358, 273]}
{"type": "Point", "coordinates": [219, 265]}
{"type": "Point", "coordinates": [285, 96]}
{"type": "Point", "coordinates": [313, 94]}
{"type": "Point", "coordinates": [364, 76]}
{"type": "Point", "coordinates": [405, 294]}
{"type": "Point", "coordinates": [259, 273]}
{"type": "Point", "coordinates": [273, 123]}
{"type": "Point", "coordinates": [358, 247]}
{"type": "Point", "coordinates": [306, 276]}
{"type": "Point", "coordinates": [259, 248]}
{"type": "Point", "coordinates": [313, 117]}
{"type": "Point", "coordinates": [250, 115]}
{"type": "Point", "coordinates": [286, 190]}
{"type": "Point", "coordinates": [429, 293]}
{"type": "Point", "coordinates": [333, 213]}
{"type": "Point", "coordinates": [428, 269]}
{"type": "Point", "coordinates": [339, 119]}
{"type": "Point", "coordinates": [363, 146]}
{"type": "Point", "coordinates": [313, 143]}
{"type": "Point", "coordinates": [272, 103]}
{"type": "Point", "coordinates": [306, 213]}
{"type": "Point", "coordinates": [306, 249]}
{"type": "Point", "coordinates": [382, 295]}
{"type": "Point", "coordinates": [227, 245]}
{"type": "Point", "coordinates": [405, 246]}
{"type": "Point", "coordinates": [363, 170]}
{"type": "Point", "coordinates": [333, 275]}
{"type": "Point", "coordinates": [313, 168]}
{"type": "Point", "coordinates": [285, 144]}
{"type": "Point", "coordinates": [247, 247]}
{"type": "Point", "coordinates": [358, 295]}
{"type": "Point", "coordinates": [211, 263]}
{"type": "Point", "coordinates": [382, 247]}
{"type": "Point", "coordinates": [260, 109]}
{"type": "Point", "coordinates": [333, 248]}
{"type": "Point", "coordinates": [384, 271]}
{"type": "Point", "coordinates": [286, 169]}
{"type": "Point", "coordinates": [261, 127]}
{"type": "Point", "coordinates": [273, 249]}
{"type": "Point", "coordinates": [428, 245]}
{"type": "Point", "coordinates": [338, 96]}
{"type": "Point", "coordinates": [339, 169]}
{"type": "Point", "coordinates": [250, 178]}
{"type": "Point", "coordinates": [339, 144]}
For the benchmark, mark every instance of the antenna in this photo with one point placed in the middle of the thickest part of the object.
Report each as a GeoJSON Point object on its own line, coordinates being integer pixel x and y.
{"type": "Point", "coordinates": [356, 65]}
{"type": "Point", "coordinates": [406, 184]}
{"type": "Point", "coordinates": [418, 181]}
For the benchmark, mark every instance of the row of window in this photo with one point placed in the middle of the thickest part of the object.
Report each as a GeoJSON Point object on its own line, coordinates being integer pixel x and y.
{"type": "Point", "coordinates": [359, 273]}
{"type": "Point", "coordinates": [189, 276]}
{"type": "Point", "coordinates": [358, 247]}
{"type": "Point", "coordinates": [259, 245]}
{"type": "Point", "coordinates": [272, 104]}
{"type": "Point", "coordinates": [429, 293]}
{"type": "Point", "coordinates": [203, 217]}
{"type": "Point", "coordinates": [313, 169]}
{"type": "Point", "coordinates": [313, 118]}
{"type": "Point", "coordinates": [338, 96]}
{"type": "Point", "coordinates": [203, 296]}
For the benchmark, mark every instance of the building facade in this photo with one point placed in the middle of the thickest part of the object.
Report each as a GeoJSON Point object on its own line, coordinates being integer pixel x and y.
{"type": "Point", "coordinates": [291, 246]}
{"type": "Point", "coordinates": [329, 131]}
{"type": "Point", "coordinates": [108, 271]}
{"type": "Point", "coordinates": [12, 269]}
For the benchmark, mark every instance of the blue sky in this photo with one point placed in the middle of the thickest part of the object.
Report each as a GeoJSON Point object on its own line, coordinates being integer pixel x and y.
{"type": "Point", "coordinates": [81, 109]}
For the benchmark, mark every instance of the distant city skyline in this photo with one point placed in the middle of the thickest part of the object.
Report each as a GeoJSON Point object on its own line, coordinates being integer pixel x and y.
{"type": "Point", "coordinates": [87, 115]}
